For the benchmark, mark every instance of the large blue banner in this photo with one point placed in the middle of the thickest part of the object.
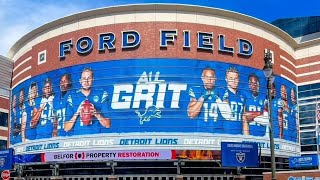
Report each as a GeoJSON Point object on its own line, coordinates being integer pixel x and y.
{"type": "Point", "coordinates": [6, 157]}
{"type": "Point", "coordinates": [150, 95]}
{"type": "Point", "coordinates": [235, 154]}
{"type": "Point", "coordinates": [304, 161]}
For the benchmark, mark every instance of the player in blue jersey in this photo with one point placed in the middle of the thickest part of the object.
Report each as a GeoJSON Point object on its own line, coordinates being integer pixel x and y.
{"type": "Point", "coordinates": [20, 118]}
{"type": "Point", "coordinates": [61, 103]}
{"type": "Point", "coordinates": [236, 101]}
{"type": "Point", "coordinates": [30, 132]}
{"type": "Point", "coordinates": [83, 122]}
{"type": "Point", "coordinates": [284, 114]}
{"type": "Point", "coordinates": [44, 120]}
{"type": "Point", "coordinates": [207, 105]}
{"type": "Point", "coordinates": [255, 106]}
{"type": "Point", "coordinates": [293, 121]}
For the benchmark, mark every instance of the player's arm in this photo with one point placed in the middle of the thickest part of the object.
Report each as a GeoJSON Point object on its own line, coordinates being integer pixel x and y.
{"type": "Point", "coordinates": [224, 108]}
{"type": "Point", "coordinates": [105, 122]}
{"type": "Point", "coordinates": [102, 114]}
{"type": "Point", "coordinates": [55, 125]}
{"type": "Point", "coordinates": [245, 123]}
{"type": "Point", "coordinates": [23, 126]}
{"type": "Point", "coordinates": [194, 107]}
{"type": "Point", "coordinates": [68, 125]}
{"type": "Point", "coordinates": [36, 116]}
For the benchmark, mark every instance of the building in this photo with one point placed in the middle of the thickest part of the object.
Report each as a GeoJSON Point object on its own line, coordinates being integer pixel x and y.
{"type": "Point", "coordinates": [142, 71]}
{"type": "Point", "coordinates": [6, 74]}
{"type": "Point", "coordinates": [302, 30]}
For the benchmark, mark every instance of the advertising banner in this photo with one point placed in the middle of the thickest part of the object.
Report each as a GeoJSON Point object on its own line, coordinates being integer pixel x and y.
{"type": "Point", "coordinates": [161, 102]}
{"type": "Point", "coordinates": [239, 154]}
{"type": "Point", "coordinates": [110, 155]}
{"type": "Point", "coordinates": [6, 156]}
{"type": "Point", "coordinates": [303, 161]}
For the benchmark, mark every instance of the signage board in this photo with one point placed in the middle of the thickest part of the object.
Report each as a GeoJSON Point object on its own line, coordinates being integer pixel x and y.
{"type": "Point", "coordinates": [303, 161]}
{"type": "Point", "coordinates": [6, 159]}
{"type": "Point", "coordinates": [235, 154]}
{"type": "Point", "coordinates": [110, 155]}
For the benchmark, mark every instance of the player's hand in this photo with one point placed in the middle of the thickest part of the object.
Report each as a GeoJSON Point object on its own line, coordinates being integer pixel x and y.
{"type": "Point", "coordinates": [206, 95]}
{"type": "Point", "coordinates": [79, 108]}
{"type": "Point", "coordinates": [93, 111]}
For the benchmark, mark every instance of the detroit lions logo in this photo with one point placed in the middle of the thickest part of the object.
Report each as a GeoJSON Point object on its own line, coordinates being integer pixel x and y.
{"type": "Point", "coordinates": [151, 111]}
{"type": "Point", "coordinates": [240, 157]}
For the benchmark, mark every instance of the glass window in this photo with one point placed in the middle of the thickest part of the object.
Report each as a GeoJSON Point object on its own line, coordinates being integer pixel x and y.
{"type": "Point", "coordinates": [307, 107]}
{"type": "Point", "coordinates": [3, 119]}
{"type": "Point", "coordinates": [307, 121]}
{"type": "Point", "coordinates": [309, 148]}
{"type": "Point", "coordinates": [308, 134]}
{"type": "Point", "coordinates": [307, 127]}
{"type": "Point", "coordinates": [3, 144]}
{"type": "Point", "coordinates": [308, 141]}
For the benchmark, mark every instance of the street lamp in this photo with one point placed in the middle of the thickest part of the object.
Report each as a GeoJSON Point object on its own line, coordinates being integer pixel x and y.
{"type": "Point", "coordinates": [268, 73]}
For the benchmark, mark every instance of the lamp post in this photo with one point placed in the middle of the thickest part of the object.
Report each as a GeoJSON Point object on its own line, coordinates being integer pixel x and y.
{"type": "Point", "coordinates": [268, 72]}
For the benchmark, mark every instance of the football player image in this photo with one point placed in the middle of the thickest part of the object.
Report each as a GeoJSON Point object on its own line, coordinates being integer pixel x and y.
{"type": "Point", "coordinates": [236, 101]}
{"type": "Point", "coordinates": [61, 103]}
{"type": "Point", "coordinates": [21, 116]}
{"type": "Point", "coordinates": [293, 121]}
{"type": "Point", "coordinates": [284, 114]}
{"type": "Point", "coordinates": [255, 106]}
{"type": "Point", "coordinates": [89, 107]}
{"type": "Point", "coordinates": [30, 132]}
{"type": "Point", "coordinates": [207, 105]}
{"type": "Point", "coordinates": [43, 119]}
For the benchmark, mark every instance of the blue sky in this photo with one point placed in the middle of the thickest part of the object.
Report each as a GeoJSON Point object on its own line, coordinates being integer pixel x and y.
{"type": "Point", "coordinates": [18, 17]}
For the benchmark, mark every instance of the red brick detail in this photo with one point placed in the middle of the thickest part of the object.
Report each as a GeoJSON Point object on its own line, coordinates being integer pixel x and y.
{"type": "Point", "coordinates": [4, 103]}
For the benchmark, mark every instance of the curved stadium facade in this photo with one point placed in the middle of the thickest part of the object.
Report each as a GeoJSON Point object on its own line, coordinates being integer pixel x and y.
{"type": "Point", "coordinates": [154, 89]}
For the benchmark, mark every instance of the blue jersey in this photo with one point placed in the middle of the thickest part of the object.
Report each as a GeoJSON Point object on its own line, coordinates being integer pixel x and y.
{"type": "Point", "coordinates": [31, 133]}
{"type": "Point", "coordinates": [44, 127]}
{"type": "Point", "coordinates": [209, 119]}
{"type": "Point", "coordinates": [256, 104]}
{"type": "Point", "coordinates": [60, 110]}
{"type": "Point", "coordinates": [99, 99]}
{"type": "Point", "coordinates": [20, 112]}
{"type": "Point", "coordinates": [237, 103]}
{"type": "Point", "coordinates": [277, 105]}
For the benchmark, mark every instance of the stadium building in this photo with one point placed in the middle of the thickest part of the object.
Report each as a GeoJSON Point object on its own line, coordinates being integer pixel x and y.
{"type": "Point", "coordinates": [151, 92]}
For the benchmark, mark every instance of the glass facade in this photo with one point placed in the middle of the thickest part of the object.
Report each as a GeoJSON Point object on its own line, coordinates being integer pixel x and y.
{"type": "Point", "coordinates": [309, 116]}
{"type": "Point", "coordinates": [3, 119]}
{"type": "Point", "coordinates": [297, 27]}
{"type": "Point", "coordinates": [3, 144]}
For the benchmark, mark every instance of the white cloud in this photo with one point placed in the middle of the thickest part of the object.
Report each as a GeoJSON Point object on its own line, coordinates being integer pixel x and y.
{"type": "Point", "coordinates": [17, 18]}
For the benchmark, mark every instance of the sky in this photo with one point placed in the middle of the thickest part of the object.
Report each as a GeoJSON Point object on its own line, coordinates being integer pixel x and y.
{"type": "Point", "coordinates": [19, 17]}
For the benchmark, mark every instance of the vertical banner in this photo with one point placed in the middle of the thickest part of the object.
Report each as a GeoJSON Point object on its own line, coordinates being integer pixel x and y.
{"type": "Point", "coordinates": [6, 159]}
{"type": "Point", "coordinates": [239, 154]}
